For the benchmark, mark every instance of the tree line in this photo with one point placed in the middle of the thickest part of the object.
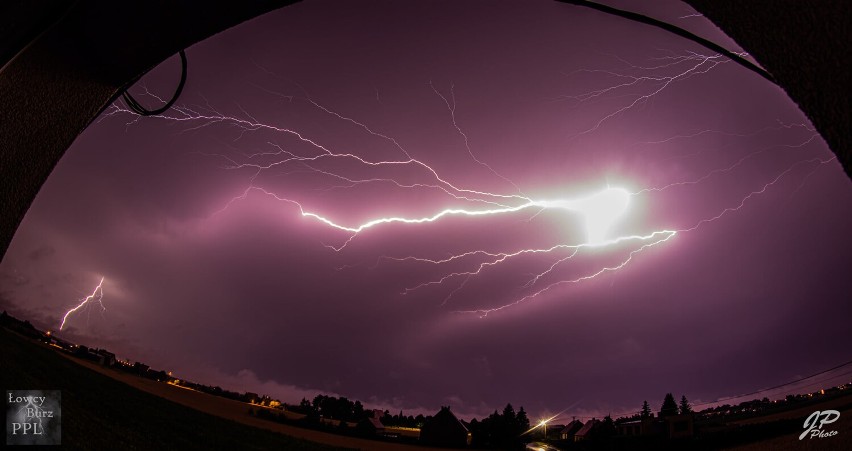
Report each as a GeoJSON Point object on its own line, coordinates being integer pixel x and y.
{"type": "Point", "coordinates": [500, 430]}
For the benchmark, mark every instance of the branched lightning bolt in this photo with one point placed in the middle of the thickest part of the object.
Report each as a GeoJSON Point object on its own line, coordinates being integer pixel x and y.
{"type": "Point", "coordinates": [599, 210]}
{"type": "Point", "coordinates": [780, 126]}
{"type": "Point", "coordinates": [96, 296]}
{"type": "Point", "coordinates": [666, 235]}
{"type": "Point", "coordinates": [451, 107]}
{"type": "Point", "coordinates": [202, 120]}
{"type": "Point", "coordinates": [696, 64]}
{"type": "Point", "coordinates": [729, 168]}
{"type": "Point", "coordinates": [757, 192]}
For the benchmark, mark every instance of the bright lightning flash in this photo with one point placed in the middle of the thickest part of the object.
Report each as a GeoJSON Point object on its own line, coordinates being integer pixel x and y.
{"type": "Point", "coordinates": [96, 296]}
{"type": "Point", "coordinates": [600, 211]}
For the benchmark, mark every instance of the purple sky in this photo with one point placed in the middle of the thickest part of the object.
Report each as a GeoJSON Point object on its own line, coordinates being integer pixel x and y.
{"type": "Point", "coordinates": [555, 103]}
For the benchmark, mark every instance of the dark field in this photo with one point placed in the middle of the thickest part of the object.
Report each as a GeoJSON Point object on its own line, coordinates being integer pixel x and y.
{"type": "Point", "coordinates": [101, 413]}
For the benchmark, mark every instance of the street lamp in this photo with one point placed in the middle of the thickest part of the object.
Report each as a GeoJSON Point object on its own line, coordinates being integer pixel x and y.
{"type": "Point", "coordinates": [543, 424]}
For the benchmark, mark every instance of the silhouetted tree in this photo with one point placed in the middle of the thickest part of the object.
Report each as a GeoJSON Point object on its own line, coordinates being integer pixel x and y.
{"type": "Point", "coordinates": [305, 407]}
{"type": "Point", "coordinates": [607, 427]}
{"type": "Point", "coordinates": [500, 430]}
{"type": "Point", "coordinates": [669, 406]}
{"type": "Point", "coordinates": [509, 415]}
{"type": "Point", "coordinates": [505, 426]}
{"type": "Point", "coordinates": [684, 406]}
{"type": "Point", "coordinates": [646, 410]}
{"type": "Point", "coordinates": [523, 421]}
{"type": "Point", "coordinates": [358, 413]}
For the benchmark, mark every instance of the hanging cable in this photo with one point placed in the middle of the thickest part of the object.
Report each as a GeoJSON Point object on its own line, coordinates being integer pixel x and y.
{"type": "Point", "coordinates": [137, 107]}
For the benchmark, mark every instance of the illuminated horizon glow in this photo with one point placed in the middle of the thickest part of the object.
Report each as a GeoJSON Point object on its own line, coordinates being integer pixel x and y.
{"type": "Point", "coordinates": [85, 301]}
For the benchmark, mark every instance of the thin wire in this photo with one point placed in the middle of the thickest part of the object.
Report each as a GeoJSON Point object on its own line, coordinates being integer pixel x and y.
{"type": "Point", "coordinates": [777, 386]}
{"type": "Point", "coordinates": [728, 398]}
{"type": "Point", "coordinates": [137, 107]}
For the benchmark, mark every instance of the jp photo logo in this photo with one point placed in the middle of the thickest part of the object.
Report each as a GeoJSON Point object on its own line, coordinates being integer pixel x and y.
{"type": "Point", "coordinates": [33, 417]}
{"type": "Point", "coordinates": [815, 422]}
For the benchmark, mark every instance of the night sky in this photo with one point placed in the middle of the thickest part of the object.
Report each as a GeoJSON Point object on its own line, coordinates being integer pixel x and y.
{"type": "Point", "coordinates": [734, 244]}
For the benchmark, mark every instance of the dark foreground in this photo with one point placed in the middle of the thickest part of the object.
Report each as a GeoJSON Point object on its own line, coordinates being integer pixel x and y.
{"type": "Point", "coordinates": [101, 410]}
{"type": "Point", "coordinates": [101, 413]}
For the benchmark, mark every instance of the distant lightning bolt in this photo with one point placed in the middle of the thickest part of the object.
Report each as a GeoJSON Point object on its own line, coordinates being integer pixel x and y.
{"type": "Point", "coordinates": [96, 296]}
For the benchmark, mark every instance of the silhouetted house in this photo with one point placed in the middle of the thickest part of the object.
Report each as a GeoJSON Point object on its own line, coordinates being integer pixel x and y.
{"type": "Point", "coordinates": [105, 357]}
{"type": "Point", "coordinates": [370, 426]}
{"type": "Point", "coordinates": [639, 428]}
{"type": "Point", "coordinates": [629, 428]}
{"type": "Point", "coordinates": [85, 353]}
{"type": "Point", "coordinates": [101, 356]}
{"type": "Point", "coordinates": [444, 429]}
{"type": "Point", "coordinates": [680, 426]}
{"type": "Point", "coordinates": [554, 431]}
{"type": "Point", "coordinates": [587, 431]}
{"type": "Point", "coordinates": [567, 433]}
{"type": "Point", "coordinates": [64, 345]}
{"type": "Point", "coordinates": [140, 368]}
{"type": "Point", "coordinates": [671, 426]}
